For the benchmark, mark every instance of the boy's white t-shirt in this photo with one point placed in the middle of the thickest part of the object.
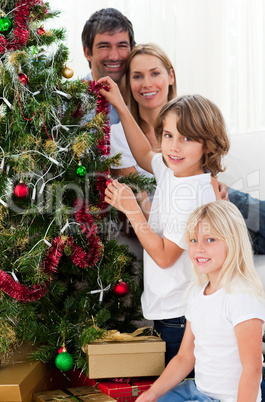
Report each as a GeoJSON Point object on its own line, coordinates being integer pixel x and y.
{"type": "Point", "coordinates": [174, 200]}
{"type": "Point", "coordinates": [213, 318]}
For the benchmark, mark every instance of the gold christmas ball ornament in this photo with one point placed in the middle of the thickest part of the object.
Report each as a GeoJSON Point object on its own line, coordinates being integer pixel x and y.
{"type": "Point", "coordinates": [67, 72]}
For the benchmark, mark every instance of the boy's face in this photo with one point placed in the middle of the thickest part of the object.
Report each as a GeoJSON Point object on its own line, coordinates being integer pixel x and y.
{"type": "Point", "coordinates": [181, 154]}
{"type": "Point", "coordinates": [110, 52]}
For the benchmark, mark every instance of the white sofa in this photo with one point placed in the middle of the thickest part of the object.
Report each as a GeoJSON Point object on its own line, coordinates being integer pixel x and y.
{"type": "Point", "coordinates": [245, 171]}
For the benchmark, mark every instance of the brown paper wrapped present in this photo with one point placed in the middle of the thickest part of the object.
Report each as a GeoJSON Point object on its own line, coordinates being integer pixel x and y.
{"type": "Point", "coordinates": [90, 394]}
{"type": "Point", "coordinates": [80, 394]}
{"type": "Point", "coordinates": [20, 377]}
{"type": "Point", "coordinates": [130, 356]}
{"type": "Point", "coordinates": [56, 396]}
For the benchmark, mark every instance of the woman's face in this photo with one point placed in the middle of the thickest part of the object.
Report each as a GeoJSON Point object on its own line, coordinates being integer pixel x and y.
{"type": "Point", "coordinates": [149, 81]}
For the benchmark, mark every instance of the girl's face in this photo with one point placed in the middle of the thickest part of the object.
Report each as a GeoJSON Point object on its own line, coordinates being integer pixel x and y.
{"type": "Point", "coordinates": [181, 154]}
{"type": "Point", "coordinates": [207, 252]}
{"type": "Point", "coordinates": [149, 81]}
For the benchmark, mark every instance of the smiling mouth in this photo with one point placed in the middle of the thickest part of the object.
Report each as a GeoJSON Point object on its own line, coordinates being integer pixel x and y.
{"type": "Point", "coordinates": [202, 260]}
{"type": "Point", "coordinates": [114, 66]}
{"type": "Point", "coordinates": [147, 94]}
{"type": "Point", "coordinates": [176, 158]}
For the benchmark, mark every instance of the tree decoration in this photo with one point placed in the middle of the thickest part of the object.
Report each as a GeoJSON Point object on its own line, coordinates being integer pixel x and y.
{"type": "Point", "coordinates": [62, 349]}
{"type": "Point", "coordinates": [23, 78]}
{"type": "Point", "coordinates": [41, 31]}
{"type": "Point", "coordinates": [58, 257]}
{"type": "Point", "coordinates": [81, 170]}
{"type": "Point", "coordinates": [20, 32]}
{"type": "Point", "coordinates": [67, 72]}
{"type": "Point", "coordinates": [64, 361]}
{"type": "Point", "coordinates": [21, 190]}
{"type": "Point", "coordinates": [5, 24]}
{"type": "Point", "coordinates": [121, 288]}
{"type": "Point", "coordinates": [109, 180]}
{"type": "Point", "coordinates": [102, 107]}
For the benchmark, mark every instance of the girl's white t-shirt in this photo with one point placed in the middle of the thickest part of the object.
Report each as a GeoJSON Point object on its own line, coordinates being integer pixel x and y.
{"type": "Point", "coordinates": [213, 319]}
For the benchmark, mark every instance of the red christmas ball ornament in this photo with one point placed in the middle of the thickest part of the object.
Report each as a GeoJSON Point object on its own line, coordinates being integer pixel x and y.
{"type": "Point", "coordinates": [62, 349]}
{"type": "Point", "coordinates": [23, 78]}
{"type": "Point", "coordinates": [121, 288]}
{"type": "Point", "coordinates": [41, 31]}
{"type": "Point", "coordinates": [21, 190]}
{"type": "Point", "coordinates": [110, 180]}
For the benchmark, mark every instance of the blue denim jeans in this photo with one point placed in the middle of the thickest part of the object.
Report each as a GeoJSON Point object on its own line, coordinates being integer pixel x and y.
{"type": "Point", "coordinates": [171, 331]}
{"type": "Point", "coordinates": [262, 385]}
{"type": "Point", "coordinates": [186, 391]}
{"type": "Point", "coordinates": [253, 211]}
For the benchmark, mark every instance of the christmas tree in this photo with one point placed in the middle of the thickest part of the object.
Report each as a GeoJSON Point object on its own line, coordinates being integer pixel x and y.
{"type": "Point", "coordinates": [58, 262]}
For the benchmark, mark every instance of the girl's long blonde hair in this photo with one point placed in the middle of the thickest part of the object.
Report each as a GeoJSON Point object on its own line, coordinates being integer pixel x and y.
{"type": "Point", "coordinates": [226, 222]}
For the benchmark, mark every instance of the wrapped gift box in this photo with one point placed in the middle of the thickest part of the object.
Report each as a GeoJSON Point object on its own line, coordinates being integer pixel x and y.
{"type": "Point", "coordinates": [80, 394]}
{"type": "Point", "coordinates": [123, 392]}
{"type": "Point", "coordinates": [57, 395]}
{"type": "Point", "coordinates": [90, 394]}
{"type": "Point", "coordinates": [20, 377]}
{"type": "Point", "coordinates": [125, 359]}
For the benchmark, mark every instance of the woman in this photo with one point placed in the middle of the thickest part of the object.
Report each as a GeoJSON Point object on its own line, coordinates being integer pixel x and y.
{"type": "Point", "coordinates": [150, 84]}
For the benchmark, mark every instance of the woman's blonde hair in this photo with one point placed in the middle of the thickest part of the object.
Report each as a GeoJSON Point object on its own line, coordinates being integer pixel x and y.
{"type": "Point", "coordinates": [153, 50]}
{"type": "Point", "coordinates": [201, 120]}
{"type": "Point", "coordinates": [226, 222]}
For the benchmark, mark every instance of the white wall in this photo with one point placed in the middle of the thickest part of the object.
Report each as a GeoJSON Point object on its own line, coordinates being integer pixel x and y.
{"type": "Point", "coordinates": [216, 46]}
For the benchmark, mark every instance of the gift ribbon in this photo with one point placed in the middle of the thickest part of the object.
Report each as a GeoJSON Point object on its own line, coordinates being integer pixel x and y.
{"type": "Point", "coordinates": [116, 336]}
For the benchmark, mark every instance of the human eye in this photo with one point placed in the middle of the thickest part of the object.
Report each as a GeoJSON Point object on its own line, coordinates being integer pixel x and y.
{"type": "Point", "coordinates": [136, 76]}
{"type": "Point", "coordinates": [124, 45]}
{"type": "Point", "coordinates": [167, 134]}
{"type": "Point", "coordinates": [193, 240]}
{"type": "Point", "coordinates": [103, 46]}
{"type": "Point", "coordinates": [156, 73]}
{"type": "Point", "coordinates": [187, 139]}
{"type": "Point", "coordinates": [210, 240]}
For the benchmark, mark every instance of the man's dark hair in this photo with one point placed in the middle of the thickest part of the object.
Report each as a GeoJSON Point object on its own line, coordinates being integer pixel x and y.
{"type": "Point", "coordinates": [106, 20]}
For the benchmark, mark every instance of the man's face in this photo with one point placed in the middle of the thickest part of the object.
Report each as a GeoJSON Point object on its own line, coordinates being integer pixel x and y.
{"type": "Point", "coordinates": [109, 54]}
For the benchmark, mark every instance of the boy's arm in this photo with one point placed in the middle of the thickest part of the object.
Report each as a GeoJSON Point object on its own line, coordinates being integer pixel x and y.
{"type": "Point", "coordinates": [162, 250]}
{"type": "Point", "coordinates": [138, 143]}
{"type": "Point", "coordinates": [175, 372]}
{"type": "Point", "coordinates": [249, 339]}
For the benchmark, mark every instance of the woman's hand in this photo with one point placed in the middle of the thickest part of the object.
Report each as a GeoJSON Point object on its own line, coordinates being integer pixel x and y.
{"type": "Point", "coordinates": [121, 197]}
{"type": "Point", "coordinates": [112, 94]}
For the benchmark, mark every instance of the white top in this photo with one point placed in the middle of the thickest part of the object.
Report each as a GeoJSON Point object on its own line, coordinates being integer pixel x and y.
{"type": "Point", "coordinates": [174, 200]}
{"type": "Point", "coordinates": [119, 144]}
{"type": "Point", "coordinates": [213, 318]}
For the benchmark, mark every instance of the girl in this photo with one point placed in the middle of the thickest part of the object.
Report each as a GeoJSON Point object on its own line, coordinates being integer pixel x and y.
{"type": "Point", "coordinates": [225, 312]}
{"type": "Point", "coordinates": [192, 135]}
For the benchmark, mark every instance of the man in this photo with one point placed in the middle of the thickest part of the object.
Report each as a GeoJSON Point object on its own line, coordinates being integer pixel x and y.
{"type": "Point", "coordinates": [107, 39]}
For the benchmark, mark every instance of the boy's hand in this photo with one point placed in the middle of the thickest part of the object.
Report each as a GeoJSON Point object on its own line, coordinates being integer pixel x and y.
{"type": "Point", "coordinates": [113, 94]}
{"type": "Point", "coordinates": [121, 197]}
